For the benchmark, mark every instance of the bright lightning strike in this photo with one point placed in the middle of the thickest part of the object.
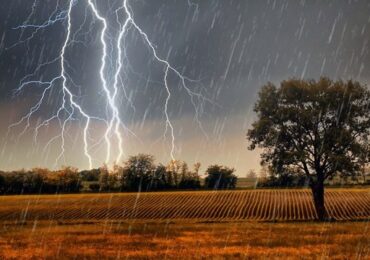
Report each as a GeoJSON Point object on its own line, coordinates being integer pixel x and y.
{"type": "Point", "coordinates": [70, 109]}
{"type": "Point", "coordinates": [69, 105]}
{"type": "Point", "coordinates": [167, 69]}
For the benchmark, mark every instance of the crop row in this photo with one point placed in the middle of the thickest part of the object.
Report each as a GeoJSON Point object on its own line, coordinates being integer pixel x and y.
{"type": "Point", "coordinates": [262, 205]}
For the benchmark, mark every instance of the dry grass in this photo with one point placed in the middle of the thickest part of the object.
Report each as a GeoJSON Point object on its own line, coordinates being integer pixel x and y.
{"type": "Point", "coordinates": [243, 240]}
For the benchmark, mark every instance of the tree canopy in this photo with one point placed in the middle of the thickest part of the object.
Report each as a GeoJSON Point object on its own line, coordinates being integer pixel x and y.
{"type": "Point", "coordinates": [220, 177]}
{"type": "Point", "coordinates": [318, 128]}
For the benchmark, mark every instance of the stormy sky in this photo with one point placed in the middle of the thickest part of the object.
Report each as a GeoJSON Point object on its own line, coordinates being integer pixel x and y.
{"type": "Point", "coordinates": [227, 49]}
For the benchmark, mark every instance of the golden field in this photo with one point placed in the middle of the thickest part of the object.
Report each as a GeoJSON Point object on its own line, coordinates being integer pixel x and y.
{"type": "Point", "coordinates": [234, 240]}
{"type": "Point", "coordinates": [249, 224]}
{"type": "Point", "coordinates": [262, 205]}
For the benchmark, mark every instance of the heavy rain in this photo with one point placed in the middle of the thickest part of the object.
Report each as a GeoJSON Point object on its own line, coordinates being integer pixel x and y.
{"type": "Point", "coordinates": [184, 129]}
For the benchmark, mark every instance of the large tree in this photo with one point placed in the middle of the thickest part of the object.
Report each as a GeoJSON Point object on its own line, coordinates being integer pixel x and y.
{"type": "Point", "coordinates": [321, 128]}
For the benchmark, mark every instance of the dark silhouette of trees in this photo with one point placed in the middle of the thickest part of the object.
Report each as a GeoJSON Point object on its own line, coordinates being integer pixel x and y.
{"type": "Point", "coordinates": [220, 177]}
{"type": "Point", "coordinates": [138, 171]}
{"type": "Point", "coordinates": [190, 179]}
{"type": "Point", "coordinates": [321, 128]}
{"type": "Point", "coordinates": [181, 177]}
{"type": "Point", "coordinates": [103, 179]}
{"type": "Point", "coordinates": [159, 179]}
{"type": "Point", "coordinates": [90, 175]}
{"type": "Point", "coordinates": [39, 180]}
{"type": "Point", "coordinates": [292, 178]}
{"type": "Point", "coordinates": [68, 180]}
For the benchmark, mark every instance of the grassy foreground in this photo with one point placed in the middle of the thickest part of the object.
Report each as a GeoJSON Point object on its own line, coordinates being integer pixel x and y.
{"type": "Point", "coordinates": [234, 240]}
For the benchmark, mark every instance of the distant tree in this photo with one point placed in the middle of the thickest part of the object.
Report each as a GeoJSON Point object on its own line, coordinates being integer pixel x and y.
{"type": "Point", "coordinates": [159, 179]}
{"type": "Point", "coordinates": [35, 180]}
{"type": "Point", "coordinates": [137, 173]}
{"type": "Point", "coordinates": [113, 182]}
{"type": "Point", "coordinates": [220, 177]}
{"type": "Point", "coordinates": [180, 175]}
{"type": "Point", "coordinates": [321, 127]}
{"type": "Point", "coordinates": [196, 168]}
{"type": "Point", "coordinates": [115, 178]}
{"type": "Point", "coordinates": [16, 182]}
{"type": "Point", "coordinates": [90, 175]}
{"type": "Point", "coordinates": [264, 172]}
{"type": "Point", "coordinates": [190, 179]}
{"type": "Point", "coordinates": [291, 177]}
{"type": "Point", "coordinates": [176, 169]}
{"type": "Point", "coordinates": [2, 182]}
{"type": "Point", "coordinates": [68, 180]}
{"type": "Point", "coordinates": [103, 178]}
{"type": "Point", "coordinates": [251, 174]}
{"type": "Point", "coordinates": [117, 169]}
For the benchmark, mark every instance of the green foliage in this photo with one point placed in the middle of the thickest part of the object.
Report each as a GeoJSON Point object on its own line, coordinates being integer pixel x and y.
{"type": "Point", "coordinates": [138, 171]}
{"type": "Point", "coordinates": [320, 128]}
{"type": "Point", "coordinates": [220, 177]}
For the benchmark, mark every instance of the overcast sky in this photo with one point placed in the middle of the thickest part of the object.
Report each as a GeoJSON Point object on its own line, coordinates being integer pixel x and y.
{"type": "Point", "coordinates": [229, 49]}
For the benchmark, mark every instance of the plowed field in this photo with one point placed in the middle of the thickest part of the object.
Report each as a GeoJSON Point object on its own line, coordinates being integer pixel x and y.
{"type": "Point", "coordinates": [261, 205]}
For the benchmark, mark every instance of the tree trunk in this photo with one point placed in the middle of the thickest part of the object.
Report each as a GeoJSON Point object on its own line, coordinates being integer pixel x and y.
{"type": "Point", "coordinates": [318, 198]}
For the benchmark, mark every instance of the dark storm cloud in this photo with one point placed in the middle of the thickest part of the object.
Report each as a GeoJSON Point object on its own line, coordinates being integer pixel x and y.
{"type": "Point", "coordinates": [230, 47]}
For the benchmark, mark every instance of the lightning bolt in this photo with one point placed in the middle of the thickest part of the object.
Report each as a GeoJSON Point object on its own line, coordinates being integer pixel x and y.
{"type": "Point", "coordinates": [115, 120]}
{"type": "Point", "coordinates": [68, 106]}
{"type": "Point", "coordinates": [71, 110]}
{"type": "Point", "coordinates": [68, 94]}
{"type": "Point", "coordinates": [167, 69]}
{"type": "Point", "coordinates": [55, 17]}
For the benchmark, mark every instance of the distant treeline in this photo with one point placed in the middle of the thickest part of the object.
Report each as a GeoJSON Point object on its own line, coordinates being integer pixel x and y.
{"type": "Point", "coordinates": [271, 178]}
{"type": "Point", "coordinates": [138, 173]}
{"type": "Point", "coordinates": [283, 181]}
